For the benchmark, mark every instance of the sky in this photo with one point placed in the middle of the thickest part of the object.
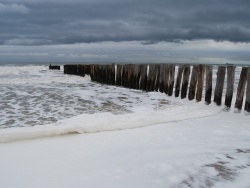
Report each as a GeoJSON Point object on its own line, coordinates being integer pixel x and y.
{"type": "Point", "coordinates": [144, 31]}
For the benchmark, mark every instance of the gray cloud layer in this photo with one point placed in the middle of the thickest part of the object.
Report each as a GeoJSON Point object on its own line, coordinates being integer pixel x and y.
{"type": "Point", "coordinates": [39, 22]}
{"type": "Point", "coordinates": [197, 51]}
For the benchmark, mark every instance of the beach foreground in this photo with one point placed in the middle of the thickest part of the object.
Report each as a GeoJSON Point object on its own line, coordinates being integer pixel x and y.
{"type": "Point", "coordinates": [85, 134]}
{"type": "Point", "coordinates": [203, 152]}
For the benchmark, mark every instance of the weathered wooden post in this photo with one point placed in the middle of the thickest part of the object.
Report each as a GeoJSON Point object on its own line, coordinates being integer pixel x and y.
{"type": "Point", "coordinates": [200, 82]}
{"type": "Point", "coordinates": [178, 80]}
{"type": "Point", "coordinates": [110, 74]}
{"type": "Point", "coordinates": [143, 79]}
{"type": "Point", "coordinates": [151, 77]}
{"type": "Point", "coordinates": [219, 84]}
{"type": "Point", "coordinates": [78, 69]}
{"type": "Point", "coordinates": [193, 83]}
{"type": "Point", "coordinates": [209, 79]}
{"type": "Point", "coordinates": [161, 78]}
{"type": "Point", "coordinates": [106, 74]}
{"type": "Point", "coordinates": [92, 76]}
{"type": "Point", "coordinates": [241, 89]}
{"type": "Point", "coordinates": [118, 75]}
{"type": "Point", "coordinates": [157, 77]}
{"type": "Point", "coordinates": [125, 75]}
{"type": "Point", "coordinates": [71, 70]}
{"type": "Point", "coordinates": [102, 73]}
{"type": "Point", "coordinates": [68, 69]}
{"type": "Point", "coordinates": [136, 77]}
{"type": "Point", "coordinates": [92, 71]}
{"type": "Point", "coordinates": [150, 68]}
{"type": "Point", "coordinates": [133, 76]}
{"type": "Point", "coordinates": [154, 78]}
{"type": "Point", "coordinates": [102, 77]}
{"type": "Point", "coordinates": [83, 70]}
{"type": "Point", "coordinates": [247, 103]}
{"type": "Point", "coordinates": [166, 78]}
{"type": "Point", "coordinates": [65, 69]}
{"type": "Point", "coordinates": [87, 69]}
{"type": "Point", "coordinates": [97, 73]}
{"type": "Point", "coordinates": [113, 74]}
{"type": "Point", "coordinates": [230, 86]}
{"type": "Point", "coordinates": [171, 80]}
{"type": "Point", "coordinates": [102, 69]}
{"type": "Point", "coordinates": [184, 87]}
{"type": "Point", "coordinates": [137, 73]}
{"type": "Point", "coordinates": [74, 68]}
{"type": "Point", "coordinates": [130, 75]}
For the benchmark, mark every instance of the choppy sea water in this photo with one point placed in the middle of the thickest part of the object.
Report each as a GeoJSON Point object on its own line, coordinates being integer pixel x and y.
{"type": "Point", "coordinates": [34, 95]}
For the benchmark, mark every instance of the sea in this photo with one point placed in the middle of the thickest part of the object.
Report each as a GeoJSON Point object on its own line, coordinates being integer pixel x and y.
{"type": "Point", "coordinates": [33, 95]}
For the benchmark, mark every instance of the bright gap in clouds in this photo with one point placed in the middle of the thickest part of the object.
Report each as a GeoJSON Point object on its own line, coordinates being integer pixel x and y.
{"type": "Point", "coordinates": [198, 51]}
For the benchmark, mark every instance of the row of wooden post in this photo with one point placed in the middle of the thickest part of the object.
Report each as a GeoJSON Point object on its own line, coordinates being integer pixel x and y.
{"type": "Point", "coordinates": [77, 69]}
{"type": "Point", "coordinates": [161, 77]}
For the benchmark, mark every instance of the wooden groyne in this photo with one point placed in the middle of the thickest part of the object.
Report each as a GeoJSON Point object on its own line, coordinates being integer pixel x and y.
{"type": "Point", "coordinates": [54, 67]}
{"type": "Point", "coordinates": [191, 81]}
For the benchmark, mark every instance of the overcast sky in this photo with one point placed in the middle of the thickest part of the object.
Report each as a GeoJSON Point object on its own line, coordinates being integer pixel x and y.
{"type": "Point", "coordinates": [204, 31]}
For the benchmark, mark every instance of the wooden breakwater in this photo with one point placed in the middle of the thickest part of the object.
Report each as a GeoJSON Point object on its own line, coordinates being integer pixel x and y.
{"type": "Point", "coordinates": [54, 67]}
{"type": "Point", "coordinates": [190, 80]}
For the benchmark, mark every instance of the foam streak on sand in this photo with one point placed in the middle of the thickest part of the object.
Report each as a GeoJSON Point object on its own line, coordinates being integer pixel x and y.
{"type": "Point", "coordinates": [90, 123]}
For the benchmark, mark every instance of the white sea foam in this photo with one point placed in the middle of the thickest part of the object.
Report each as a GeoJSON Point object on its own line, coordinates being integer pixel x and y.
{"type": "Point", "coordinates": [98, 122]}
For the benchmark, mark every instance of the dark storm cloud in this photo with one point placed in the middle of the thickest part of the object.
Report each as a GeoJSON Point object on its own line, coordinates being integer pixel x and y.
{"type": "Point", "coordinates": [34, 22]}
